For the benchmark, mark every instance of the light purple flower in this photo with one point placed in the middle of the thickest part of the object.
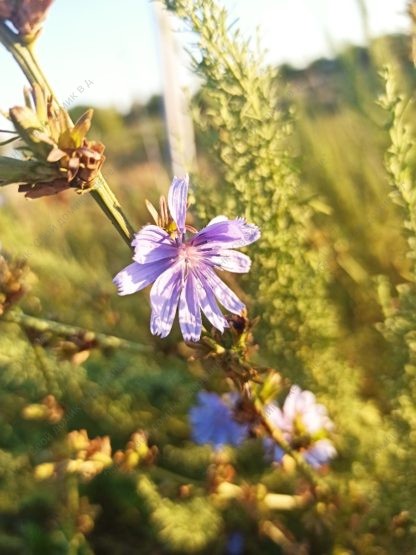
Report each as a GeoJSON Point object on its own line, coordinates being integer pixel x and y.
{"type": "Point", "coordinates": [304, 424]}
{"type": "Point", "coordinates": [213, 422]}
{"type": "Point", "coordinates": [182, 267]}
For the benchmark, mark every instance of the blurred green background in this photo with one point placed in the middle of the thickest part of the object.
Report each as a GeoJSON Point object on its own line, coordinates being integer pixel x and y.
{"type": "Point", "coordinates": [339, 142]}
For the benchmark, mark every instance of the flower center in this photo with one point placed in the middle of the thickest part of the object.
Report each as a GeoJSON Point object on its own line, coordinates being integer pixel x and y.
{"type": "Point", "coordinates": [189, 255]}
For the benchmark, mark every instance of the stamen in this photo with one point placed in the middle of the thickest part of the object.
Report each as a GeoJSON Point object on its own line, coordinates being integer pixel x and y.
{"type": "Point", "coordinates": [164, 213]}
{"type": "Point", "coordinates": [152, 210]}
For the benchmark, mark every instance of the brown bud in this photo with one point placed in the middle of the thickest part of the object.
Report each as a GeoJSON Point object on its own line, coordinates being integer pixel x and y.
{"type": "Point", "coordinates": [92, 456]}
{"type": "Point", "coordinates": [137, 452]}
{"type": "Point", "coordinates": [49, 409]}
{"type": "Point", "coordinates": [6, 9]}
{"type": "Point", "coordinates": [11, 286]}
{"type": "Point", "coordinates": [26, 15]}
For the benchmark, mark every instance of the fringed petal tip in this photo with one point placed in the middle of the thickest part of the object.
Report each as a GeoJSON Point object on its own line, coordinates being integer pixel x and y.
{"type": "Point", "coordinates": [157, 329]}
{"type": "Point", "coordinates": [123, 283]}
{"type": "Point", "coordinates": [250, 232]}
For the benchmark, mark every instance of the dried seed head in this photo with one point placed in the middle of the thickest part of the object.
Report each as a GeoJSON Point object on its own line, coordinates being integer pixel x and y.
{"type": "Point", "coordinates": [59, 155]}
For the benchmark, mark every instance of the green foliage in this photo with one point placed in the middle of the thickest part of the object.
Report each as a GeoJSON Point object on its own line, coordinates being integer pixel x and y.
{"type": "Point", "coordinates": [399, 301]}
{"type": "Point", "coordinates": [242, 117]}
{"type": "Point", "coordinates": [250, 136]}
{"type": "Point", "coordinates": [173, 520]}
{"type": "Point", "coordinates": [306, 167]}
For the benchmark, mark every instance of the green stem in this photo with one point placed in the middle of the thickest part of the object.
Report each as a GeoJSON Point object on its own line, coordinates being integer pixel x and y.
{"type": "Point", "coordinates": [77, 539]}
{"type": "Point", "coordinates": [33, 63]}
{"type": "Point", "coordinates": [107, 201]}
{"type": "Point", "coordinates": [22, 56]}
{"type": "Point", "coordinates": [64, 330]}
{"type": "Point", "coordinates": [101, 192]}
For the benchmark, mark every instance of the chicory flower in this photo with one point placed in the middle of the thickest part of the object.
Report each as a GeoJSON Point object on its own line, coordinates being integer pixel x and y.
{"type": "Point", "coordinates": [181, 264]}
{"type": "Point", "coordinates": [213, 421]}
{"type": "Point", "coordinates": [304, 424]}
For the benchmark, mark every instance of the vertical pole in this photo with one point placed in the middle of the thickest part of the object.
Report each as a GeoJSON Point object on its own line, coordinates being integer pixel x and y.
{"type": "Point", "coordinates": [176, 104]}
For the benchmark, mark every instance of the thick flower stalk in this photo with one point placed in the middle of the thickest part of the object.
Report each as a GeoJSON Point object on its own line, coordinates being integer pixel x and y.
{"type": "Point", "coordinates": [181, 264]}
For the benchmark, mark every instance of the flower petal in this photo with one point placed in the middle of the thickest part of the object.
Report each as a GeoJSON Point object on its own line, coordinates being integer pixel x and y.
{"type": "Point", "coordinates": [177, 201]}
{"type": "Point", "coordinates": [189, 310]}
{"type": "Point", "coordinates": [320, 453]}
{"type": "Point", "coordinates": [137, 276]}
{"type": "Point", "coordinates": [213, 422]}
{"type": "Point", "coordinates": [222, 233]}
{"type": "Point", "coordinates": [153, 243]}
{"type": "Point", "coordinates": [272, 450]}
{"type": "Point", "coordinates": [209, 305]}
{"type": "Point", "coordinates": [217, 219]}
{"type": "Point", "coordinates": [232, 261]}
{"type": "Point", "coordinates": [277, 417]}
{"type": "Point", "coordinates": [164, 297]}
{"type": "Point", "coordinates": [291, 404]}
{"type": "Point", "coordinates": [227, 298]}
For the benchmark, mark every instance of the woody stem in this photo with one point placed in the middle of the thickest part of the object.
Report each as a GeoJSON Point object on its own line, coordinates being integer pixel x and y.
{"type": "Point", "coordinates": [27, 322]}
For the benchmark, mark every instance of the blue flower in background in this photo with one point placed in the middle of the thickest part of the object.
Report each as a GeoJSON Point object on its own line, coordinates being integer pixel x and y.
{"type": "Point", "coordinates": [213, 422]}
{"type": "Point", "coordinates": [304, 424]}
{"type": "Point", "coordinates": [235, 544]}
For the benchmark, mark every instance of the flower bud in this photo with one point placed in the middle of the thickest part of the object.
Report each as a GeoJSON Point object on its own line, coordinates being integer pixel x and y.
{"type": "Point", "coordinates": [49, 409]}
{"type": "Point", "coordinates": [137, 452]}
{"type": "Point", "coordinates": [11, 286]}
{"type": "Point", "coordinates": [44, 471]}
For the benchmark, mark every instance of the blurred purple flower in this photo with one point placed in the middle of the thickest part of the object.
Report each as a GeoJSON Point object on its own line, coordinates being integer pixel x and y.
{"type": "Point", "coordinates": [182, 268]}
{"type": "Point", "coordinates": [212, 420]}
{"type": "Point", "coordinates": [304, 424]}
{"type": "Point", "coordinates": [235, 544]}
